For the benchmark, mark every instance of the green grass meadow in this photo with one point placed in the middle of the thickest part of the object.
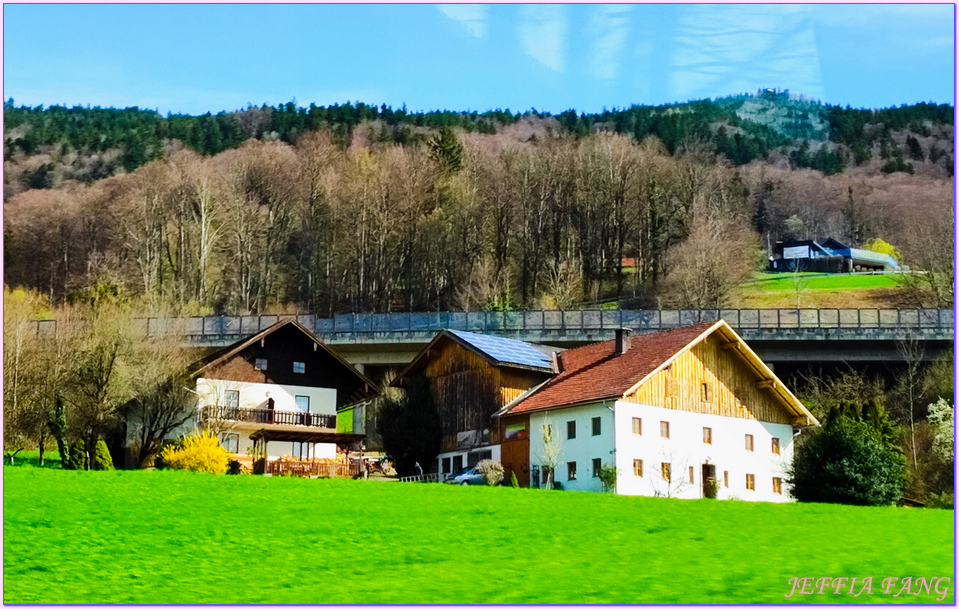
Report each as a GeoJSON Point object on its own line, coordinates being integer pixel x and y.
{"type": "Point", "coordinates": [821, 281]}
{"type": "Point", "coordinates": [177, 537]}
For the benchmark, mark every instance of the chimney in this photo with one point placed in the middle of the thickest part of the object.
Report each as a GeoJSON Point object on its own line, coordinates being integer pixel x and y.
{"type": "Point", "coordinates": [622, 340]}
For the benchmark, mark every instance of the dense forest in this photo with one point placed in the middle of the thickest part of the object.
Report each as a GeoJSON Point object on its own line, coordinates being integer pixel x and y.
{"type": "Point", "coordinates": [356, 207]}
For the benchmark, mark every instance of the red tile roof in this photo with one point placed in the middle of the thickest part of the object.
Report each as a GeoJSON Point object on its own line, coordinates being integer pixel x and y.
{"type": "Point", "coordinates": [595, 372]}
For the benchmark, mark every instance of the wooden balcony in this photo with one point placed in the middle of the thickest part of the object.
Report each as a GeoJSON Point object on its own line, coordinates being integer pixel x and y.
{"type": "Point", "coordinates": [314, 469]}
{"type": "Point", "coordinates": [264, 416]}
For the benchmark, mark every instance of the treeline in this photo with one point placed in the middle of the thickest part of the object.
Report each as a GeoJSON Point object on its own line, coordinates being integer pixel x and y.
{"type": "Point", "coordinates": [142, 134]}
{"type": "Point", "coordinates": [778, 124]}
{"type": "Point", "coordinates": [459, 222]}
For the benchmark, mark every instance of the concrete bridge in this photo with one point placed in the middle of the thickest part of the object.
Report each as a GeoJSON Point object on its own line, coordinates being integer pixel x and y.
{"type": "Point", "coordinates": [783, 337]}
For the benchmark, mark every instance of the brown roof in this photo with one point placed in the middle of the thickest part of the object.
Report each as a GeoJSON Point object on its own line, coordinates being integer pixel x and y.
{"type": "Point", "coordinates": [595, 372]}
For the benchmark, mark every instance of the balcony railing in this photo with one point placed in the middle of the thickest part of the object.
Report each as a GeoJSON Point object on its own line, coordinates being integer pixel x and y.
{"type": "Point", "coordinates": [314, 469]}
{"type": "Point", "coordinates": [270, 417]}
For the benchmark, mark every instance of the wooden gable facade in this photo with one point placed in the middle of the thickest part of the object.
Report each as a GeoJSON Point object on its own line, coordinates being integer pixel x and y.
{"type": "Point", "coordinates": [720, 375]}
{"type": "Point", "coordinates": [468, 387]}
{"type": "Point", "coordinates": [278, 347]}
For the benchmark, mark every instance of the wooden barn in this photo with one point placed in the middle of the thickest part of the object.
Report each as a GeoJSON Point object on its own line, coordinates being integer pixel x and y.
{"type": "Point", "coordinates": [471, 377]}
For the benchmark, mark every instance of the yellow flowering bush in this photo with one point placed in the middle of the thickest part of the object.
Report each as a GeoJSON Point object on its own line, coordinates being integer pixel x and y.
{"type": "Point", "coordinates": [197, 453]}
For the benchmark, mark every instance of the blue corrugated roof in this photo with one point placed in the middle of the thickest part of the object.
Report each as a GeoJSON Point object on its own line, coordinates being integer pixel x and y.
{"type": "Point", "coordinates": [507, 350]}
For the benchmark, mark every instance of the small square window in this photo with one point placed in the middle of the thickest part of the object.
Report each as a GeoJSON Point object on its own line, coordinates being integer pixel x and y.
{"type": "Point", "coordinates": [750, 482]}
{"type": "Point", "coordinates": [299, 367]}
{"type": "Point", "coordinates": [665, 471]}
{"type": "Point", "coordinates": [726, 479]}
{"type": "Point", "coordinates": [571, 470]}
{"type": "Point", "coordinates": [692, 473]}
{"type": "Point", "coordinates": [664, 429]}
{"type": "Point", "coordinates": [775, 446]}
{"type": "Point", "coordinates": [570, 430]}
{"type": "Point", "coordinates": [707, 435]}
{"type": "Point", "coordinates": [749, 442]}
{"type": "Point", "coordinates": [778, 486]}
{"type": "Point", "coordinates": [637, 426]}
{"type": "Point", "coordinates": [231, 398]}
{"type": "Point", "coordinates": [597, 426]}
{"type": "Point", "coordinates": [597, 465]}
{"type": "Point", "coordinates": [260, 364]}
{"type": "Point", "coordinates": [638, 467]}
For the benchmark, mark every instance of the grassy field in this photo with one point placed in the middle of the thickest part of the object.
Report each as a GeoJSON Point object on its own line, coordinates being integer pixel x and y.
{"type": "Point", "coordinates": [820, 290]}
{"type": "Point", "coordinates": [175, 537]}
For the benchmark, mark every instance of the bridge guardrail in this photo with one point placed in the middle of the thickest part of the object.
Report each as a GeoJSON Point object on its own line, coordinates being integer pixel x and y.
{"type": "Point", "coordinates": [381, 325]}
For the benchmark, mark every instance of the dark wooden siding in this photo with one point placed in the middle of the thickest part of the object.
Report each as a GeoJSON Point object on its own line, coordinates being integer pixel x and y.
{"type": "Point", "coordinates": [280, 349]}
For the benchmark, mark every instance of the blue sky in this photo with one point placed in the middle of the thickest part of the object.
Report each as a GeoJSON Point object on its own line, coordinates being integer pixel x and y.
{"type": "Point", "coordinates": [199, 58]}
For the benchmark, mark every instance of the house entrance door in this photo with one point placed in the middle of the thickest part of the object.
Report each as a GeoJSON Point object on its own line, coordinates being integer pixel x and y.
{"type": "Point", "coordinates": [709, 480]}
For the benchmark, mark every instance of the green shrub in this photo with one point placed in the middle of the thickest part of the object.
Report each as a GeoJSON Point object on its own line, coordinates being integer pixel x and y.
{"type": "Point", "coordinates": [608, 475]}
{"type": "Point", "coordinates": [197, 453]}
{"type": "Point", "coordinates": [78, 456]}
{"type": "Point", "coordinates": [847, 462]}
{"type": "Point", "coordinates": [104, 460]}
{"type": "Point", "coordinates": [235, 468]}
{"type": "Point", "coordinates": [512, 480]}
{"type": "Point", "coordinates": [943, 500]}
{"type": "Point", "coordinates": [491, 470]}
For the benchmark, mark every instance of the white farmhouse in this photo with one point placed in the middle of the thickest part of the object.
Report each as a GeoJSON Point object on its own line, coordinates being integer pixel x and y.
{"type": "Point", "coordinates": [679, 413]}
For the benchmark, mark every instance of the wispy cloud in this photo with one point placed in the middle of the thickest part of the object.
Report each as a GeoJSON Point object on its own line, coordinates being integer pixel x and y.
{"type": "Point", "coordinates": [473, 16]}
{"type": "Point", "coordinates": [882, 15]}
{"type": "Point", "coordinates": [542, 33]}
{"type": "Point", "coordinates": [722, 49]}
{"type": "Point", "coordinates": [607, 31]}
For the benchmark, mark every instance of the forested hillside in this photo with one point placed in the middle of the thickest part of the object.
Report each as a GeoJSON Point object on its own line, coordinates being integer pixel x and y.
{"type": "Point", "coordinates": [355, 207]}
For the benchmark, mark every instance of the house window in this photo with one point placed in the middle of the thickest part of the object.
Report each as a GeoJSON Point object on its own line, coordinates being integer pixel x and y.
{"type": "Point", "coordinates": [570, 430]}
{"type": "Point", "coordinates": [750, 482]}
{"type": "Point", "coordinates": [301, 450]}
{"type": "Point", "coordinates": [749, 442]}
{"type": "Point", "coordinates": [231, 398]}
{"type": "Point", "coordinates": [446, 465]}
{"type": "Point", "coordinates": [637, 426]}
{"type": "Point", "coordinates": [260, 364]}
{"type": "Point", "coordinates": [670, 389]}
{"type": "Point", "coordinates": [457, 463]}
{"type": "Point", "coordinates": [726, 479]}
{"type": "Point", "coordinates": [571, 470]}
{"type": "Point", "coordinates": [299, 367]}
{"type": "Point", "coordinates": [707, 393]}
{"type": "Point", "coordinates": [302, 403]}
{"type": "Point", "coordinates": [638, 467]}
{"type": "Point", "coordinates": [778, 486]}
{"type": "Point", "coordinates": [665, 471]}
{"type": "Point", "coordinates": [597, 426]}
{"type": "Point", "coordinates": [664, 429]}
{"type": "Point", "coordinates": [597, 466]}
{"type": "Point", "coordinates": [775, 446]}
{"type": "Point", "coordinates": [230, 442]}
{"type": "Point", "coordinates": [707, 435]}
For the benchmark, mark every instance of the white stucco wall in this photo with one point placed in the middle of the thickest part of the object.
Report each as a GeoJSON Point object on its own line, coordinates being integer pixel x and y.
{"type": "Point", "coordinates": [493, 448]}
{"type": "Point", "coordinates": [685, 448]}
{"type": "Point", "coordinates": [255, 395]}
{"type": "Point", "coordinates": [582, 449]}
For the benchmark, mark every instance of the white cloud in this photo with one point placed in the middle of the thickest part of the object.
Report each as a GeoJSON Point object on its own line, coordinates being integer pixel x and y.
{"type": "Point", "coordinates": [725, 49]}
{"type": "Point", "coordinates": [607, 30]}
{"type": "Point", "coordinates": [542, 33]}
{"type": "Point", "coordinates": [882, 15]}
{"type": "Point", "coordinates": [473, 16]}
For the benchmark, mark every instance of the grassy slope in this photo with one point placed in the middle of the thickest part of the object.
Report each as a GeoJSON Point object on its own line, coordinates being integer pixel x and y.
{"type": "Point", "coordinates": [777, 290]}
{"type": "Point", "coordinates": [174, 537]}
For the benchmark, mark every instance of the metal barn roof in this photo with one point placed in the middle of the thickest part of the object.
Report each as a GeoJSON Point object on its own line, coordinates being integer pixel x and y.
{"type": "Point", "coordinates": [507, 350]}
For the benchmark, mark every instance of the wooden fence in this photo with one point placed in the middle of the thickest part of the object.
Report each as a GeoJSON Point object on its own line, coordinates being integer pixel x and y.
{"type": "Point", "coordinates": [313, 469]}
